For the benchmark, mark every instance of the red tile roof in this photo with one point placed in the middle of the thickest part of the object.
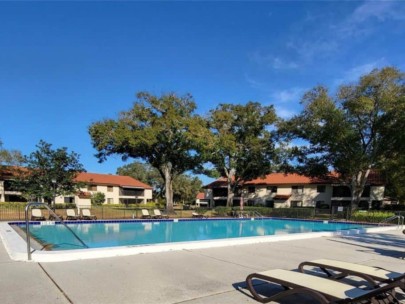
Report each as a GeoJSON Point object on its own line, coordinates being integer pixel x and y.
{"type": "Point", "coordinates": [282, 178]}
{"type": "Point", "coordinates": [374, 178]}
{"type": "Point", "coordinates": [219, 183]}
{"type": "Point", "coordinates": [201, 195]}
{"type": "Point", "coordinates": [108, 179]}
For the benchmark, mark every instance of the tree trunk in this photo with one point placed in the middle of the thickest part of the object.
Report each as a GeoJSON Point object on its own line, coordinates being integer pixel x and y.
{"type": "Point", "coordinates": [231, 193]}
{"type": "Point", "coordinates": [357, 188]}
{"type": "Point", "coordinates": [167, 170]}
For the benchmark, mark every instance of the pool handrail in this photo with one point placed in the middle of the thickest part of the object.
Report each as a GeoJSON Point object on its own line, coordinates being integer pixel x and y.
{"type": "Point", "coordinates": [400, 218]}
{"type": "Point", "coordinates": [27, 226]}
{"type": "Point", "coordinates": [257, 214]}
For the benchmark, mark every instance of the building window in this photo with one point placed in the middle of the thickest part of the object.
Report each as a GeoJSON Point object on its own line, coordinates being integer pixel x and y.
{"type": "Point", "coordinates": [110, 201]}
{"type": "Point", "coordinates": [272, 189]}
{"type": "Point", "coordinates": [297, 189]}
{"type": "Point", "coordinates": [270, 203]}
{"type": "Point", "coordinates": [320, 189]}
{"type": "Point", "coordinates": [110, 188]}
{"type": "Point", "coordinates": [341, 191]}
{"type": "Point", "coordinates": [295, 204]}
{"type": "Point", "coordinates": [251, 189]}
{"type": "Point", "coordinates": [92, 187]}
{"type": "Point", "coordinates": [218, 192]}
{"type": "Point", "coordinates": [250, 202]}
{"type": "Point", "coordinates": [68, 200]}
{"type": "Point", "coordinates": [363, 205]}
{"type": "Point", "coordinates": [321, 205]}
{"type": "Point", "coordinates": [366, 192]}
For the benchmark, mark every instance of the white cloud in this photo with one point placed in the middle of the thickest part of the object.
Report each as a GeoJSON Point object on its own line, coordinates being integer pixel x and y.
{"type": "Point", "coordinates": [288, 95]}
{"type": "Point", "coordinates": [362, 22]}
{"type": "Point", "coordinates": [285, 112]}
{"type": "Point", "coordinates": [271, 61]}
{"type": "Point", "coordinates": [253, 82]}
{"type": "Point", "coordinates": [359, 23]}
{"type": "Point", "coordinates": [356, 72]}
{"type": "Point", "coordinates": [382, 10]}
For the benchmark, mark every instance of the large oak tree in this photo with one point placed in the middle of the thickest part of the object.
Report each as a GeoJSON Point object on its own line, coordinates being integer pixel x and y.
{"type": "Point", "coordinates": [161, 130]}
{"type": "Point", "coordinates": [353, 132]}
{"type": "Point", "coordinates": [241, 147]}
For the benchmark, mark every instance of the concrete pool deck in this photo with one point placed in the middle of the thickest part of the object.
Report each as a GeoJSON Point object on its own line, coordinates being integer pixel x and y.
{"type": "Point", "coordinates": [15, 243]}
{"type": "Point", "coordinates": [210, 275]}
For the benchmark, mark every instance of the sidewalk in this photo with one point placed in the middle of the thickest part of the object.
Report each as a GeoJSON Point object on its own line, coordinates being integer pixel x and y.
{"type": "Point", "coordinates": [190, 276]}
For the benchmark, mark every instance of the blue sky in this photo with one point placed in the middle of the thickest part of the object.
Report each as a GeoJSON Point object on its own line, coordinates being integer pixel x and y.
{"type": "Point", "coordinates": [64, 65]}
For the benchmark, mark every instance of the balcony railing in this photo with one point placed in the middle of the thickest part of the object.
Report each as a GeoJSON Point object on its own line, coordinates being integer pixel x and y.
{"type": "Point", "coordinates": [132, 192]}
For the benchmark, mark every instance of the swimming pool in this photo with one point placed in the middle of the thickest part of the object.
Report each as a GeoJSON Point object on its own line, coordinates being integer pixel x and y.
{"type": "Point", "coordinates": [237, 232]}
{"type": "Point", "coordinates": [135, 233]}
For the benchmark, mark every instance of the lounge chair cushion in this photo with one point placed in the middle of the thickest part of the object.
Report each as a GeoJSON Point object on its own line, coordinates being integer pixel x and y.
{"type": "Point", "coordinates": [333, 289]}
{"type": "Point", "coordinates": [322, 290]}
{"type": "Point", "coordinates": [374, 272]}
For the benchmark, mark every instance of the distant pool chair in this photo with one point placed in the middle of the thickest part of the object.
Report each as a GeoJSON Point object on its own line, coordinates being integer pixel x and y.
{"type": "Point", "coordinates": [86, 215]}
{"type": "Point", "coordinates": [145, 214]}
{"type": "Point", "coordinates": [158, 214]}
{"type": "Point", "coordinates": [197, 215]}
{"type": "Point", "coordinates": [71, 215]}
{"type": "Point", "coordinates": [36, 215]}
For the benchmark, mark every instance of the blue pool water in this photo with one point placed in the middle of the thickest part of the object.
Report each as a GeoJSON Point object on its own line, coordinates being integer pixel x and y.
{"type": "Point", "coordinates": [124, 233]}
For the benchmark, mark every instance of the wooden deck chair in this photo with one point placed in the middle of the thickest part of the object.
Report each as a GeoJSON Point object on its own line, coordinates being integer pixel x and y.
{"type": "Point", "coordinates": [157, 214]}
{"type": "Point", "coordinates": [145, 213]}
{"type": "Point", "coordinates": [337, 270]}
{"type": "Point", "coordinates": [36, 215]}
{"type": "Point", "coordinates": [322, 290]}
{"type": "Point", "coordinates": [86, 215]}
{"type": "Point", "coordinates": [71, 215]}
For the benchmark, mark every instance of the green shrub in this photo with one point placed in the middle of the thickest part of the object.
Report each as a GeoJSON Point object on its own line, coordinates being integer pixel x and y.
{"type": "Point", "coordinates": [97, 198]}
{"type": "Point", "coordinates": [13, 204]}
{"type": "Point", "coordinates": [267, 211]}
{"type": "Point", "coordinates": [371, 216]}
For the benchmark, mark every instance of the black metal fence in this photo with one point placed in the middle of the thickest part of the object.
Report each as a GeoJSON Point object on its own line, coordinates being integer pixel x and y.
{"type": "Point", "coordinates": [17, 212]}
{"type": "Point", "coordinates": [12, 212]}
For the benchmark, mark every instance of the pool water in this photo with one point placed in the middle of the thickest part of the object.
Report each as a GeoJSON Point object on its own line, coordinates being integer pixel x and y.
{"type": "Point", "coordinates": [110, 234]}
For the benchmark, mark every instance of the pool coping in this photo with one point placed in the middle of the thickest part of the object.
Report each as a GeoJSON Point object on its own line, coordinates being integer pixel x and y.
{"type": "Point", "coordinates": [16, 246]}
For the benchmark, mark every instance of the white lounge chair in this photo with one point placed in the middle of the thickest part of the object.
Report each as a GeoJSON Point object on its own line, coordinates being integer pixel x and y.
{"type": "Point", "coordinates": [145, 213]}
{"type": "Point", "coordinates": [86, 215]}
{"type": "Point", "coordinates": [197, 215]}
{"type": "Point", "coordinates": [36, 215]}
{"type": "Point", "coordinates": [322, 290]}
{"type": "Point", "coordinates": [337, 270]}
{"type": "Point", "coordinates": [71, 215]}
{"type": "Point", "coordinates": [158, 214]}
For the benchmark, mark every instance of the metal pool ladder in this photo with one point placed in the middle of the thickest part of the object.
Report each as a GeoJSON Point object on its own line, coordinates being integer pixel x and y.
{"type": "Point", "coordinates": [399, 217]}
{"type": "Point", "coordinates": [257, 214]}
{"type": "Point", "coordinates": [55, 216]}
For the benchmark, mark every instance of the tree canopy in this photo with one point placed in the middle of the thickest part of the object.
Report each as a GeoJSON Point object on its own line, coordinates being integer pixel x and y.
{"type": "Point", "coordinates": [163, 131]}
{"type": "Point", "coordinates": [10, 157]}
{"type": "Point", "coordinates": [353, 132]}
{"type": "Point", "coordinates": [49, 173]}
{"type": "Point", "coordinates": [241, 145]}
